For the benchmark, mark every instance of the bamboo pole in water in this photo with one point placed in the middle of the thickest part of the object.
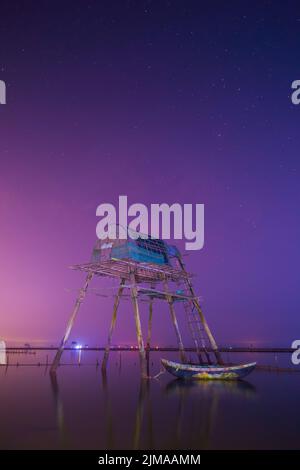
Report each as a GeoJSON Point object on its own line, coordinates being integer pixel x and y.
{"type": "Point", "coordinates": [71, 321]}
{"type": "Point", "coordinates": [113, 323]}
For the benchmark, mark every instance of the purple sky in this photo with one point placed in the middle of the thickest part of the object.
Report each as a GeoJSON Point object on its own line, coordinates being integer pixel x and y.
{"type": "Point", "coordinates": [165, 102]}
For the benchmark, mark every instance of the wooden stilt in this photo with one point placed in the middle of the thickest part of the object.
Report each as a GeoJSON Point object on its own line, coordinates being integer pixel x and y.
{"type": "Point", "coordinates": [202, 318]}
{"type": "Point", "coordinates": [148, 345]}
{"type": "Point", "coordinates": [71, 321]}
{"type": "Point", "coordinates": [113, 323]}
{"type": "Point", "coordinates": [134, 297]}
{"type": "Point", "coordinates": [150, 324]}
{"type": "Point", "coordinates": [174, 321]}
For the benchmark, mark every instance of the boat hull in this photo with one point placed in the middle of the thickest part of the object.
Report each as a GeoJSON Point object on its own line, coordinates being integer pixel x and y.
{"type": "Point", "coordinates": [208, 372]}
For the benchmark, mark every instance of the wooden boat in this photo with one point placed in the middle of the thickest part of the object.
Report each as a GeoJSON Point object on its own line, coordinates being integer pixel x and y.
{"type": "Point", "coordinates": [208, 372]}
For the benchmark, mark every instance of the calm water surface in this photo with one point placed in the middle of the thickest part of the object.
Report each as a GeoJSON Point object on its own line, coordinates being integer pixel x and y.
{"type": "Point", "coordinates": [84, 410]}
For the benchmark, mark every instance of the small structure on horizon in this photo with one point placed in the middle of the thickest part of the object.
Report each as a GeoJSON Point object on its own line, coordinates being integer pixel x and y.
{"type": "Point", "coordinates": [3, 358]}
{"type": "Point", "coordinates": [149, 269]}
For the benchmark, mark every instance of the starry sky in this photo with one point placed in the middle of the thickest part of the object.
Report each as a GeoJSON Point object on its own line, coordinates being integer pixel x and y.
{"type": "Point", "coordinates": [164, 101]}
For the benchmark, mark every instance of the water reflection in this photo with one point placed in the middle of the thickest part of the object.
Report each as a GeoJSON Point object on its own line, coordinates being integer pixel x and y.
{"type": "Point", "coordinates": [143, 406]}
{"type": "Point", "coordinates": [81, 408]}
{"type": "Point", "coordinates": [108, 419]}
{"type": "Point", "coordinates": [200, 398]}
{"type": "Point", "coordinates": [241, 387]}
{"type": "Point", "coordinates": [209, 394]}
{"type": "Point", "coordinates": [59, 411]}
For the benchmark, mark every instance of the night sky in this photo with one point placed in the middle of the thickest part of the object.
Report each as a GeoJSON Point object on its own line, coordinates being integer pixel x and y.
{"type": "Point", "coordinates": [164, 101]}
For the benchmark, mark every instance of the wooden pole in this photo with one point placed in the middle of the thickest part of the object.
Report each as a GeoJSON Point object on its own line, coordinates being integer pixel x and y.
{"type": "Point", "coordinates": [71, 321]}
{"type": "Point", "coordinates": [174, 321]}
{"type": "Point", "coordinates": [113, 323]}
{"type": "Point", "coordinates": [150, 324]}
{"type": "Point", "coordinates": [148, 345]}
{"type": "Point", "coordinates": [134, 297]}
{"type": "Point", "coordinates": [202, 317]}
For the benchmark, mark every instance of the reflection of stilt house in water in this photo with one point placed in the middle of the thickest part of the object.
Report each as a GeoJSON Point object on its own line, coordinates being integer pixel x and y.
{"type": "Point", "coordinates": [152, 269]}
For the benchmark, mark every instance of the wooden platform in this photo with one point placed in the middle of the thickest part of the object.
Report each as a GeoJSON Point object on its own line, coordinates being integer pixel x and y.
{"type": "Point", "coordinates": [143, 272]}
